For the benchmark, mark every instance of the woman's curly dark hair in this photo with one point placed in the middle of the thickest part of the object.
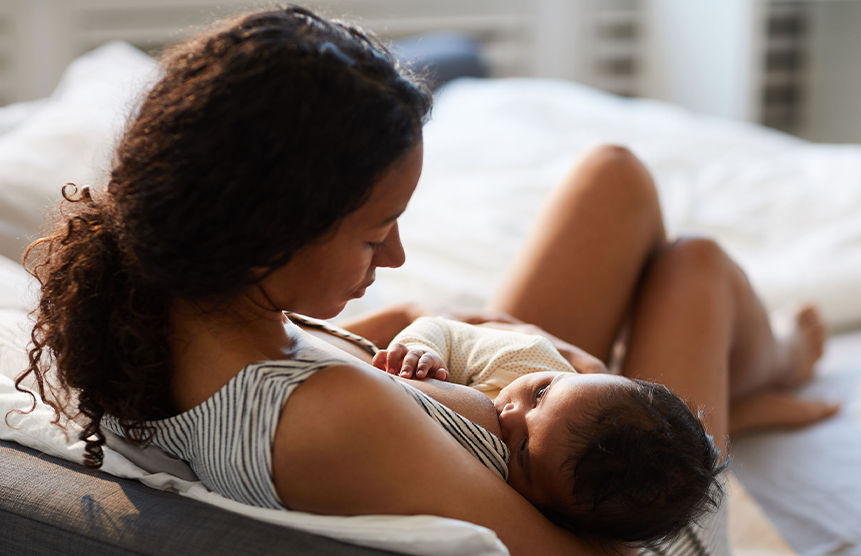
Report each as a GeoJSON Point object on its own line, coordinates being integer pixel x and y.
{"type": "Point", "coordinates": [262, 134]}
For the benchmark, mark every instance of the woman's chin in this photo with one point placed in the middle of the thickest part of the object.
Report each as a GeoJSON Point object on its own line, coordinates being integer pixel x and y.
{"type": "Point", "coordinates": [324, 312]}
{"type": "Point", "coordinates": [334, 309]}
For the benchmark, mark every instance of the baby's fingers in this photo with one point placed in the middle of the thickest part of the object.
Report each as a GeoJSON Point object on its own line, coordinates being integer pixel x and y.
{"type": "Point", "coordinates": [430, 365]}
{"type": "Point", "coordinates": [379, 360]}
{"type": "Point", "coordinates": [410, 363]}
{"type": "Point", "coordinates": [395, 357]}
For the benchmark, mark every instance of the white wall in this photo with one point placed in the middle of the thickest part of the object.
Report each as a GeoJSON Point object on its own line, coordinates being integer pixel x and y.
{"type": "Point", "coordinates": [560, 38]}
{"type": "Point", "coordinates": [39, 38]}
{"type": "Point", "coordinates": [698, 53]}
{"type": "Point", "coordinates": [834, 85]}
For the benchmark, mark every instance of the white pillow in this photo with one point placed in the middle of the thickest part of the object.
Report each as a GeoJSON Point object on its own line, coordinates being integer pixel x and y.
{"type": "Point", "coordinates": [68, 138]}
{"type": "Point", "coordinates": [18, 295]}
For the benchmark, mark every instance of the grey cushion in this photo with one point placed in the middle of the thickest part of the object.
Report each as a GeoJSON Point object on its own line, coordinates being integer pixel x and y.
{"type": "Point", "coordinates": [52, 507]}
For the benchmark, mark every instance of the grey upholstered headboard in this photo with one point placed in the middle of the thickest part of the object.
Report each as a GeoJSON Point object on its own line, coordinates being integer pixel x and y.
{"type": "Point", "coordinates": [51, 507]}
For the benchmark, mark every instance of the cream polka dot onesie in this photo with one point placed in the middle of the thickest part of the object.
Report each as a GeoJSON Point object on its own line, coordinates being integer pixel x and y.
{"type": "Point", "coordinates": [486, 359]}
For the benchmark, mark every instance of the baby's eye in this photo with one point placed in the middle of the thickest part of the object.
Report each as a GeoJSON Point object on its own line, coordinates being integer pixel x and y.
{"type": "Point", "coordinates": [540, 393]}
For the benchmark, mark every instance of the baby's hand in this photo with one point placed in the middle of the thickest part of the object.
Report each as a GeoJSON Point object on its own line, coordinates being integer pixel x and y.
{"type": "Point", "coordinates": [410, 363]}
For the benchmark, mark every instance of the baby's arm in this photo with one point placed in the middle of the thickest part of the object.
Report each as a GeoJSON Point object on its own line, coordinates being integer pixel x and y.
{"type": "Point", "coordinates": [410, 362]}
{"type": "Point", "coordinates": [452, 341]}
{"type": "Point", "coordinates": [474, 354]}
{"type": "Point", "coordinates": [583, 362]}
{"type": "Point", "coordinates": [421, 350]}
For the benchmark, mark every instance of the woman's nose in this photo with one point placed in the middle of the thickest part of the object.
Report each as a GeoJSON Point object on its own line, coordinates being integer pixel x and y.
{"type": "Point", "coordinates": [391, 253]}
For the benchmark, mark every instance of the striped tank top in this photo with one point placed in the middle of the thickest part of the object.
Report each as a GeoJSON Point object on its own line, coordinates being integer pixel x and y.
{"type": "Point", "coordinates": [227, 439]}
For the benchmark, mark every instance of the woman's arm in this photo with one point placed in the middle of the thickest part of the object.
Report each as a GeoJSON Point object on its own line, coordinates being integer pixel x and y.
{"type": "Point", "coordinates": [382, 325]}
{"type": "Point", "coordinates": [353, 443]}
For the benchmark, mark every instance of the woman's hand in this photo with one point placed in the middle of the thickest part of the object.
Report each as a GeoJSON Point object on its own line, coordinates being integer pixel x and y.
{"type": "Point", "coordinates": [416, 362]}
{"type": "Point", "coordinates": [579, 359]}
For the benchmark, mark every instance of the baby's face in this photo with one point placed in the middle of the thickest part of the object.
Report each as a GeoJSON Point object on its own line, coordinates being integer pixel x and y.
{"type": "Point", "coordinates": [534, 415]}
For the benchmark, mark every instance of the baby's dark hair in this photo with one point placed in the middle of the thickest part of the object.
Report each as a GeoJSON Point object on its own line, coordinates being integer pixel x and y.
{"type": "Point", "coordinates": [645, 469]}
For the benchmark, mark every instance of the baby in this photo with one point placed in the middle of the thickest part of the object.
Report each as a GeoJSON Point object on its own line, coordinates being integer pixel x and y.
{"type": "Point", "coordinates": [596, 453]}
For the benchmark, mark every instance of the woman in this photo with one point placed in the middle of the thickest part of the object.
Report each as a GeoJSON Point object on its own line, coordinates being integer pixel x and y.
{"type": "Point", "coordinates": [265, 173]}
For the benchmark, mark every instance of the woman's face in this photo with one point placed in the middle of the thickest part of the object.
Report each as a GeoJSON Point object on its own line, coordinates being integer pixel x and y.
{"type": "Point", "coordinates": [535, 412]}
{"type": "Point", "coordinates": [324, 275]}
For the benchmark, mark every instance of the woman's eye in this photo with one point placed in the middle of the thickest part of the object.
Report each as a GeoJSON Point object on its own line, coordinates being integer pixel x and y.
{"type": "Point", "coordinates": [373, 245]}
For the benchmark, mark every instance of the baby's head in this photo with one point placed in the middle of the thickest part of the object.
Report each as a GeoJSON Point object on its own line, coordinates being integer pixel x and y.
{"type": "Point", "coordinates": [608, 455]}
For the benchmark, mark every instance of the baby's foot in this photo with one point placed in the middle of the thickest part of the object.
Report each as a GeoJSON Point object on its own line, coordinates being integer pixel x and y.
{"type": "Point", "coordinates": [801, 347]}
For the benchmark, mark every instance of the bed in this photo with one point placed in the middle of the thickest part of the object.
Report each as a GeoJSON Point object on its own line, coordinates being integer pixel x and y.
{"type": "Point", "coordinates": [789, 211]}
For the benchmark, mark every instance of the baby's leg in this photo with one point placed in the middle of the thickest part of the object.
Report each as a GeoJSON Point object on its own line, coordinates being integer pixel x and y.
{"type": "Point", "coordinates": [578, 270]}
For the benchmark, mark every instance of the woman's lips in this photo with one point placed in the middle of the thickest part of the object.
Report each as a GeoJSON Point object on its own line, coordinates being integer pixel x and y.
{"type": "Point", "coordinates": [361, 291]}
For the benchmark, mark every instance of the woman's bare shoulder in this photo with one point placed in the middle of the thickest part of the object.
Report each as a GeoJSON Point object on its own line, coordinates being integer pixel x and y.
{"type": "Point", "coordinates": [351, 442]}
{"type": "Point", "coordinates": [330, 428]}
